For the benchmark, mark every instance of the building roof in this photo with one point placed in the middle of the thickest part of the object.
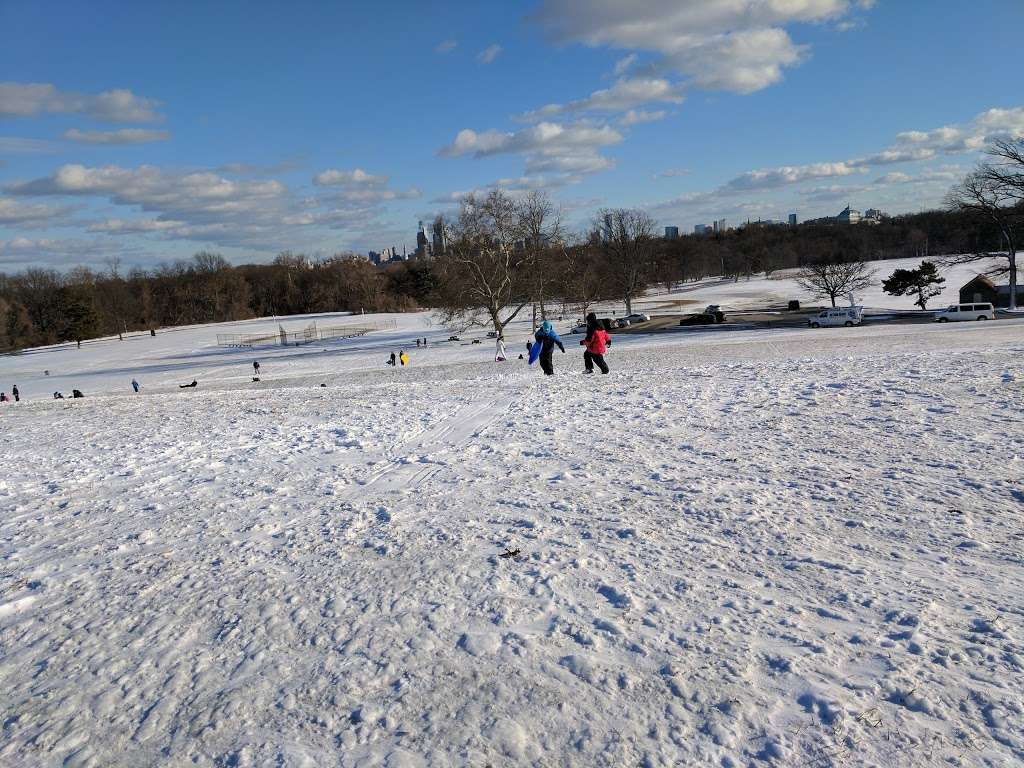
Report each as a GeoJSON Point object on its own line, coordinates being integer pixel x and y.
{"type": "Point", "coordinates": [981, 279]}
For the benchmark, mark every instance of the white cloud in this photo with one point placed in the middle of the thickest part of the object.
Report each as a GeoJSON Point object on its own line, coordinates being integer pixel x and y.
{"type": "Point", "coordinates": [623, 65]}
{"type": "Point", "coordinates": [849, 25]}
{"type": "Point", "coordinates": [350, 198]}
{"type": "Point", "coordinates": [894, 155]}
{"type": "Point", "coordinates": [672, 173]}
{"type": "Point", "coordinates": [114, 106]}
{"type": "Point", "coordinates": [831, 192]}
{"type": "Point", "coordinates": [771, 178]}
{"type": "Point", "coordinates": [15, 145]}
{"type": "Point", "coordinates": [570, 150]}
{"type": "Point", "coordinates": [545, 137]}
{"type": "Point", "coordinates": [445, 46]}
{"type": "Point", "coordinates": [245, 169]}
{"type": "Point", "coordinates": [357, 177]}
{"type": "Point", "coordinates": [625, 94]}
{"type": "Point", "coordinates": [208, 206]}
{"type": "Point", "coordinates": [122, 227]}
{"type": "Point", "coordinates": [894, 177]}
{"type": "Point", "coordinates": [971, 136]}
{"type": "Point", "coordinates": [23, 251]}
{"type": "Point", "coordinates": [489, 54]}
{"type": "Point", "coordinates": [941, 176]}
{"type": "Point", "coordinates": [16, 213]}
{"type": "Point", "coordinates": [909, 147]}
{"type": "Point", "coordinates": [122, 136]}
{"type": "Point", "coordinates": [735, 45]}
{"type": "Point", "coordinates": [639, 116]}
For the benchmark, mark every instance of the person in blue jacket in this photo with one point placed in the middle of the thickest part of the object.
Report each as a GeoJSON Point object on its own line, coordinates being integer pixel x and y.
{"type": "Point", "coordinates": [548, 339]}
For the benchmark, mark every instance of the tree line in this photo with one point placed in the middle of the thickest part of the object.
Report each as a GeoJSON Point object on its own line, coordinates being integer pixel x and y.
{"type": "Point", "coordinates": [505, 254]}
{"type": "Point", "coordinates": [44, 306]}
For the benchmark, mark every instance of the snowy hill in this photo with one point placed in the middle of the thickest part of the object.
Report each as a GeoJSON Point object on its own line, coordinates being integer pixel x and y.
{"type": "Point", "coordinates": [779, 287]}
{"type": "Point", "coordinates": [784, 547]}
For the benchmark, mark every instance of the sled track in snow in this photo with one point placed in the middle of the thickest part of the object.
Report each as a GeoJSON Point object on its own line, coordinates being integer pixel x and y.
{"type": "Point", "coordinates": [411, 462]}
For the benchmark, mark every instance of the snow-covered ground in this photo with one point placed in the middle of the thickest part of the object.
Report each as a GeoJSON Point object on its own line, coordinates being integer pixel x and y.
{"type": "Point", "coordinates": [779, 287]}
{"type": "Point", "coordinates": [784, 547]}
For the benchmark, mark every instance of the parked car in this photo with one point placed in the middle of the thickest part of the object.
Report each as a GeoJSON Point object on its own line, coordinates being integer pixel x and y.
{"type": "Point", "coordinates": [453, 338]}
{"type": "Point", "coordinates": [622, 323]}
{"type": "Point", "coordinates": [828, 318]}
{"type": "Point", "coordinates": [492, 334]}
{"type": "Point", "coordinates": [638, 317]}
{"type": "Point", "coordinates": [581, 328]}
{"type": "Point", "coordinates": [955, 312]}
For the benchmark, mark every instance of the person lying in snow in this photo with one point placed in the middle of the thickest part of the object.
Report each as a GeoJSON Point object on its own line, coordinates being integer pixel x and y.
{"type": "Point", "coordinates": [596, 342]}
{"type": "Point", "coordinates": [187, 386]}
{"type": "Point", "coordinates": [548, 339]}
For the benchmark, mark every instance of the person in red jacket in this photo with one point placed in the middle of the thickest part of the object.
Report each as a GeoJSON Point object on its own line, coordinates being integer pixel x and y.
{"type": "Point", "coordinates": [597, 342]}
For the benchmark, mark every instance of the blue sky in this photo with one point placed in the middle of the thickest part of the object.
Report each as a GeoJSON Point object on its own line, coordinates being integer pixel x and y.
{"type": "Point", "coordinates": [148, 131]}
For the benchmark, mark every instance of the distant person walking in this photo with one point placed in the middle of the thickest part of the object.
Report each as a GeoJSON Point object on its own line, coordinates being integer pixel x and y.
{"type": "Point", "coordinates": [596, 342]}
{"type": "Point", "coordinates": [402, 357]}
{"type": "Point", "coordinates": [548, 340]}
{"type": "Point", "coordinates": [16, 393]}
{"type": "Point", "coordinates": [135, 385]}
{"type": "Point", "coordinates": [392, 361]}
{"type": "Point", "coordinates": [256, 367]}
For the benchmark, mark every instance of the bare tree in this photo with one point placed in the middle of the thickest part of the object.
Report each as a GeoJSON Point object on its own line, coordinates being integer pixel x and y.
{"type": "Point", "coordinates": [833, 280]}
{"type": "Point", "coordinates": [541, 226]}
{"type": "Point", "coordinates": [585, 280]}
{"type": "Point", "coordinates": [984, 195]}
{"type": "Point", "coordinates": [1006, 170]}
{"type": "Point", "coordinates": [484, 278]}
{"type": "Point", "coordinates": [627, 238]}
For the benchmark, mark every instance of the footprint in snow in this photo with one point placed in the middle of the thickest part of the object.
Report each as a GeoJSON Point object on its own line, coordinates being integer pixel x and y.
{"type": "Point", "coordinates": [614, 596]}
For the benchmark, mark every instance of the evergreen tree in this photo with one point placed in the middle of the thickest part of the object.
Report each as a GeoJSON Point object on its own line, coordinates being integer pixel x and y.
{"type": "Point", "coordinates": [923, 281]}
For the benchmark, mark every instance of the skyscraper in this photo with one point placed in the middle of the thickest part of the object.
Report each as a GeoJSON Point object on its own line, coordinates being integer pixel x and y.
{"type": "Point", "coordinates": [792, 219]}
{"type": "Point", "coordinates": [671, 233]}
{"type": "Point", "coordinates": [423, 248]}
{"type": "Point", "coordinates": [606, 229]}
{"type": "Point", "coordinates": [440, 237]}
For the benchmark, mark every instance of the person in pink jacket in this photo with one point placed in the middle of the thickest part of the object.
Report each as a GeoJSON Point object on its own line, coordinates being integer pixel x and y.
{"type": "Point", "coordinates": [596, 342]}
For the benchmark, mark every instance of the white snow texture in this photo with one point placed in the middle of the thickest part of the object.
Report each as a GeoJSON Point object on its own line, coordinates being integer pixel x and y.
{"type": "Point", "coordinates": [794, 548]}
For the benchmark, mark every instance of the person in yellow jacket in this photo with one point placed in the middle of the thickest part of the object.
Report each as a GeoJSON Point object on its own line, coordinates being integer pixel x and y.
{"type": "Point", "coordinates": [403, 358]}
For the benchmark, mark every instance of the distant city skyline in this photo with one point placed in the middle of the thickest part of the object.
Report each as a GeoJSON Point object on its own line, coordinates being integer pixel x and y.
{"type": "Point", "coordinates": [241, 129]}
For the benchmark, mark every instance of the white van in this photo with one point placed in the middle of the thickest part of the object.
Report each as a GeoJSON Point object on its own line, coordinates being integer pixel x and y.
{"type": "Point", "coordinates": [827, 318]}
{"type": "Point", "coordinates": [965, 312]}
